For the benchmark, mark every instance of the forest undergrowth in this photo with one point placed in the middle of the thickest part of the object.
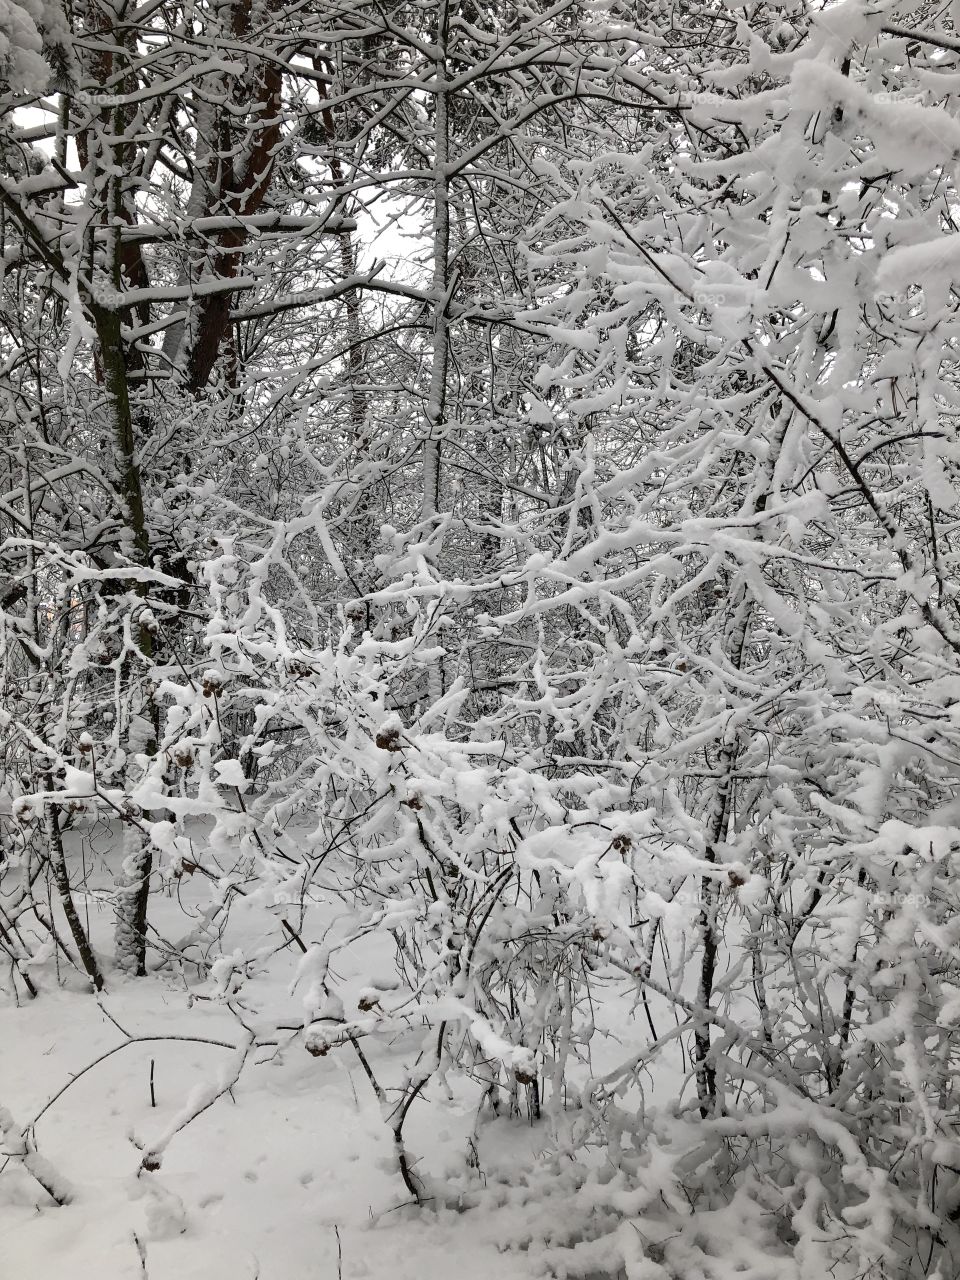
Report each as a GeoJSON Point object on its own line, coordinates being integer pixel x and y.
{"type": "Point", "coordinates": [479, 639]}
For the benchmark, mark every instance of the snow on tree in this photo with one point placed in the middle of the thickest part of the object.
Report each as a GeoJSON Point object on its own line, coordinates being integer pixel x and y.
{"type": "Point", "coordinates": [550, 640]}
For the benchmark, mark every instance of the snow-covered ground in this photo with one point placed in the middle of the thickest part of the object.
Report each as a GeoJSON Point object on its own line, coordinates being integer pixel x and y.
{"type": "Point", "coordinates": [289, 1175]}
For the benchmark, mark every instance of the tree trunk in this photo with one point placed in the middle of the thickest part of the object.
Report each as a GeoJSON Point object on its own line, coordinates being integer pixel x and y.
{"type": "Point", "coordinates": [134, 883]}
{"type": "Point", "coordinates": [437, 395]}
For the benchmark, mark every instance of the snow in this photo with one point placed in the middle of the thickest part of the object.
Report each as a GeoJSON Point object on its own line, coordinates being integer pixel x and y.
{"type": "Point", "coordinates": [22, 65]}
{"type": "Point", "coordinates": [275, 1164]}
{"type": "Point", "coordinates": [919, 264]}
{"type": "Point", "coordinates": [908, 137]}
{"type": "Point", "coordinates": [230, 774]}
{"type": "Point", "coordinates": [593, 912]}
{"type": "Point", "coordinates": [262, 1185]}
{"type": "Point", "coordinates": [188, 1137]}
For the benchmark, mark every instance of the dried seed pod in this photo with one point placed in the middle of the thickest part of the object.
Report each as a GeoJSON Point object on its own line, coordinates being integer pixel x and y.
{"type": "Point", "coordinates": [212, 683]}
{"type": "Point", "coordinates": [317, 1045]}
